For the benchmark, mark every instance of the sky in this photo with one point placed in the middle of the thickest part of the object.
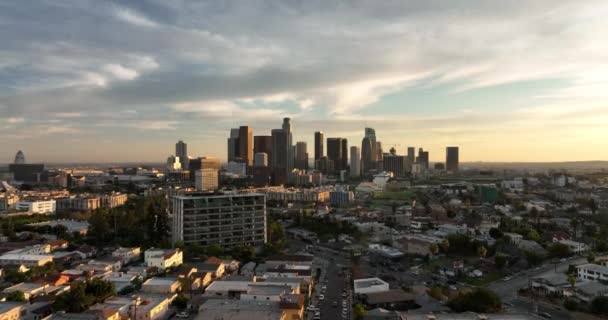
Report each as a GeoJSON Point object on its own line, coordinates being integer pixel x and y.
{"type": "Point", "coordinates": [113, 81]}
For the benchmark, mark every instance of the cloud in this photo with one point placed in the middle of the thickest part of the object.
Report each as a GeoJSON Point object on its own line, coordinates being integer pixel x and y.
{"type": "Point", "coordinates": [158, 66]}
{"type": "Point", "coordinates": [133, 17]}
{"type": "Point", "coordinates": [120, 72]}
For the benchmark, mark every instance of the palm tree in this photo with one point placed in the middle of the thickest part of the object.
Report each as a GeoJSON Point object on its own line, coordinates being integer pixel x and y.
{"type": "Point", "coordinates": [572, 282]}
{"type": "Point", "coordinates": [433, 248]}
{"type": "Point", "coordinates": [445, 245]}
{"type": "Point", "coordinates": [482, 251]}
{"type": "Point", "coordinates": [574, 226]}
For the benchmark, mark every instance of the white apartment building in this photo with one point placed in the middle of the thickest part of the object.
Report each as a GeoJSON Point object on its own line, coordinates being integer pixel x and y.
{"type": "Point", "coordinates": [591, 271]}
{"type": "Point", "coordinates": [163, 259]}
{"type": "Point", "coordinates": [37, 206]}
{"type": "Point", "coordinates": [370, 285]}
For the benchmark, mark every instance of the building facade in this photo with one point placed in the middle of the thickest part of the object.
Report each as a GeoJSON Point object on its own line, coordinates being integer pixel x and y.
{"type": "Point", "coordinates": [228, 220]}
{"type": "Point", "coordinates": [451, 159]}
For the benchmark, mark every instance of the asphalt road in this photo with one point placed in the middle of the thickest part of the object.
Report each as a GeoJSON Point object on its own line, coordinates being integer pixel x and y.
{"type": "Point", "coordinates": [507, 290]}
{"type": "Point", "coordinates": [331, 264]}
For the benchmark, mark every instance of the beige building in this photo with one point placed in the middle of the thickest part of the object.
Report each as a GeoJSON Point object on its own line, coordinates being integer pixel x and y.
{"type": "Point", "coordinates": [206, 179]}
{"type": "Point", "coordinates": [163, 259]}
{"type": "Point", "coordinates": [10, 310]}
{"type": "Point", "coordinates": [113, 200]}
{"type": "Point", "coordinates": [161, 285]}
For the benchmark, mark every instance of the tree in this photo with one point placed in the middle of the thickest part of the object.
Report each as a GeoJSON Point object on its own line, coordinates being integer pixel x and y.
{"type": "Point", "coordinates": [479, 300]}
{"type": "Point", "coordinates": [591, 257]}
{"type": "Point", "coordinates": [99, 226]}
{"type": "Point", "coordinates": [359, 311]}
{"type": "Point", "coordinates": [500, 261]}
{"type": "Point", "coordinates": [482, 251]}
{"type": "Point", "coordinates": [572, 282]}
{"type": "Point", "coordinates": [599, 305]}
{"type": "Point", "coordinates": [533, 235]}
{"type": "Point", "coordinates": [574, 226]}
{"type": "Point", "coordinates": [495, 233]}
{"type": "Point", "coordinates": [593, 206]}
{"type": "Point", "coordinates": [215, 250]}
{"type": "Point", "coordinates": [180, 302]}
{"type": "Point", "coordinates": [445, 245]}
{"type": "Point", "coordinates": [16, 296]}
{"type": "Point", "coordinates": [244, 253]}
{"type": "Point", "coordinates": [533, 258]}
{"type": "Point", "coordinates": [433, 248]}
{"type": "Point", "coordinates": [559, 250]}
{"type": "Point", "coordinates": [571, 305]}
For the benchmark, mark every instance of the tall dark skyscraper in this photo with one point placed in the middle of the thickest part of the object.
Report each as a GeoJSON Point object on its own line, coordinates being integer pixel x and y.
{"type": "Point", "coordinates": [282, 152]}
{"type": "Point", "coordinates": [19, 158]}
{"type": "Point", "coordinates": [344, 151]}
{"type": "Point", "coordinates": [423, 158]}
{"type": "Point", "coordinates": [319, 136]}
{"type": "Point", "coordinates": [411, 154]}
{"type": "Point", "coordinates": [451, 159]}
{"type": "Point", "coordinates": [263, 144]}
{"type": "Point", "coordinates": [369, 155]}
{"type": "Point", "coordinates": [246, 144]}
{"type": "Point", "coordinates": [181, 151]}
{"type": "Point", "coordinates": [336, 154]}
{"type": "Point", "coordinates": [233, 145]}
{"type": "Point", "coordinates": [367, 162]}
{"type": "Point", "coordinates": [301, 161]}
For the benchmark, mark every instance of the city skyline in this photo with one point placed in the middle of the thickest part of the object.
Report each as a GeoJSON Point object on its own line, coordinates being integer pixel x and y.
{"type": "Point", "coordinates": [512, 82]}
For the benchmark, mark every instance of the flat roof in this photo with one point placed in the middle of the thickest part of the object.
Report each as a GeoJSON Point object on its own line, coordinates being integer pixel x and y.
{"type": "Point", "coordinates": [160, 281]}
{"type": "Point", "coordinates": [239, 310]}
{"type": "Point", "coordinates": [369, 282]}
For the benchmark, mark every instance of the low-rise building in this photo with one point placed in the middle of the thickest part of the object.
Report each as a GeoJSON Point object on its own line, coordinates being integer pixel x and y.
{"type": "Point", "coordinates": [127, 255]}
{"type": "Point", "coordinates": [161, 285]}
{"type": "Point", "coordinates": [37, 206]}
{"type": "Point", "coordinates": [28, 260]}
{"type": "Point", "coordinates": [10, 310]}
{"type": "Point", "coordinates": [29, 289]}
{"type": "Point", "coordinates": [370, 285]}
{"type": "Point", "coordinates": [575, 246]}
{"type": "Point", "coordinates": [591, 271]}
{"type": "Point", "coordinates": [163, 259]}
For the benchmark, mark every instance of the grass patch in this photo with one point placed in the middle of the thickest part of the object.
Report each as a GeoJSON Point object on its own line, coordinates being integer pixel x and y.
{"type": "Point", "coordinates": [482, 281]}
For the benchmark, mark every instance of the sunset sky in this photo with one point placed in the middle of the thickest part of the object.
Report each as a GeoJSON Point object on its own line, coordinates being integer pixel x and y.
{"type": "Point", "coordinates": [84, 81]}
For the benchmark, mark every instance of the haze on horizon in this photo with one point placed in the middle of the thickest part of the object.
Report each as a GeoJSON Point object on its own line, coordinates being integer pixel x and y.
{"type": "Point", "coordinates": [118, 81]}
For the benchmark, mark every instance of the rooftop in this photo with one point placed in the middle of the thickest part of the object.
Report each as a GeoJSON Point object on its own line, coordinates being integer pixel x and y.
{"type": "Point", "coordinates": [239, 310]}
{"type": "Point", "coordinates": [369, 282]}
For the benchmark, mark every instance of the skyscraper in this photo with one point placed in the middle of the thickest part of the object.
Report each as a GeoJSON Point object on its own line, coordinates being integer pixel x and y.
{"type": "Point", "coordinates": [203, 163]}
{"type": "Point", "coordinates": [319, 136]}
{"type": "Point", "coordinates": [290, 148]}
{"type": "Point", "coordinates": [355, 162]}
{"type": "Point", "coordinates": [451, 159]}
{"type": "Point", "coordinates": [301, 161]}
{"type": "Point", "coordinates": [344, 153]}
{"type": "Point", "coordinates": [396, 164]}
{"type": "Point", "coordinates": [335, 153]}
{"type": "Point", "coordinates": [181, 151]}
{"type": "Point", "coordinates": [260, 159]}
{"type": "Point", "coordinates": [233, 145]}
{"type": "Point", "coordinates": [246, 144]}
{"type": "Point", "coordinates": [367, 162]}
{"type": "Point", "coordinates": [369, 155]}
{"type": "Point", "coordinates": [262, 144]}
{"type": "Point", "coordinates": [19, 158]}
{"type": "Point", "coordinates": [411, 154]}
{"type": "Point", "coordinates": [282, 152]}
{"type": "Point", "coordinates": [423, 158]}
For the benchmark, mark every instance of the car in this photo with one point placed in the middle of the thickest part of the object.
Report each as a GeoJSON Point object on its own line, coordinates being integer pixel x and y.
{"type": "Point", "coordinates": [183, 315]}
{"type": "Point", "coordinates": [545, 315]}
{"type": "Point", "coordinates": [507, 304]}
{"type": "Point", "coordinates": [563, 260]}
{"type": "Point", "coordinates": [317, 318]}
{"type": "Point", "coordinates": [324, 287]}
{"type": "Point", "coordinates": [335, 304]}
{"type": "Point", "coordinates": [321, 297]}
